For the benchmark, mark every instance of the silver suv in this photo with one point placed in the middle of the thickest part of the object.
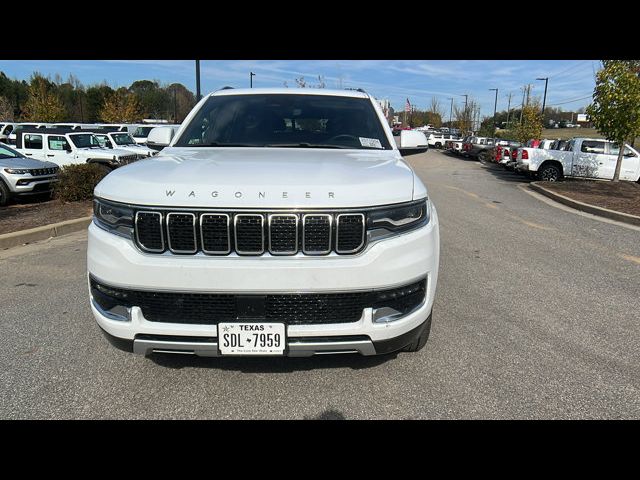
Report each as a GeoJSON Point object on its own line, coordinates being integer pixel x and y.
{"type": "Point", "coordinates": [22, 176]}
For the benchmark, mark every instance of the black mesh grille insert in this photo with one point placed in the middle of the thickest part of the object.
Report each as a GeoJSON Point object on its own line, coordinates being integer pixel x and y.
{"type": "Point", "coordinates": [249, 233]}
{"type": "Point", "coordinates": [215, 233]}
{"type": "Point", "coordinates": [181, 231]}
{"type": "Point", "coordinates": [317, 233]}
{"type": "Point", "coordinates": [350, 233]}
{"type": "Point", "coordinates": [283, 231]}
{"type": "Point", "coordinates": [149, 230]}
{"type": "Point", "coordinates": [292, 309]}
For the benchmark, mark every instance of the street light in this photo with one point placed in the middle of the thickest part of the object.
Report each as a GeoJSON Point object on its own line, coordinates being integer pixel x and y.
{"type": "Point", "coordinates": [450, 113]}
{"type": "Point", "coordinates": [544, 101]}
{"type": "Point", "coordinates": [251, 75]}
{"type": "Point", "coordinates": [197, 80]}
{"type": "Point", "coordinates": [495, 106]}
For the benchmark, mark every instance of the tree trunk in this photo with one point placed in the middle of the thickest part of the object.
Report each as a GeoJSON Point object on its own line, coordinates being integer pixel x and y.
{"type": "Point", "coordinates": [616, 175]}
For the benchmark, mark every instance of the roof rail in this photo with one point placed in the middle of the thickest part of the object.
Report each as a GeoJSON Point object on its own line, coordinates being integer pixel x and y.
{"type": "Point", "coordinates": [226, 88]}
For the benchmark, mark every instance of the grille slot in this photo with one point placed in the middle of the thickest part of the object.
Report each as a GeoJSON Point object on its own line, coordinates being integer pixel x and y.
{"type": "Point", "coordinates": [316, 237]}
{"type": "Point", "coordinates": [283, 234]}
{"type": "Point", "coordinates": [249, 234]}
{"type": "Point", "coordinates": [149, 231]}
{"type": "Point", "coordinates": [181, 232]}
{"type": "Point", "coordinates": [214, 233]}
{"type": "Point", "coordinates": [349, 232]}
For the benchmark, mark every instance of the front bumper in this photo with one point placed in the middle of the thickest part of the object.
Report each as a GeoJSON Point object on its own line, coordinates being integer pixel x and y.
{"type": "Point", "coordinates": [383, 264]}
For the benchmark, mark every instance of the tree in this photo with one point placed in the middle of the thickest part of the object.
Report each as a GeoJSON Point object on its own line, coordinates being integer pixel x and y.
{"type": "Point", "coordinates": [43, 104]}
{"type": "Point", "coordinates": [121, 107]}
{"type": "Point", "coordinates": [615, 110]}
{"type": "Point", "coordinates": [181, 101]}
{"type": "Point", "coordinates": [531, 125]}
{"type": "Point", "coordinates": [6, 110]}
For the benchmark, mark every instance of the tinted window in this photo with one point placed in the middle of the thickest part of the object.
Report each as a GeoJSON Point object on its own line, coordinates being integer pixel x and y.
{"type": "Point", "coordinates": [56, 142]}
{"type": "Point", "coordinates": [142, 132]}
{"type": "Point", "coordinates": [85, 140]}
{"type": "Point", "coordinates": [32, 141]}
{"type": "Point", "coordinates": [592, 146]}
{"type": "Point", "coordinates": [286, 120]}
{"type": "Point", "coordinates": [6, 152]}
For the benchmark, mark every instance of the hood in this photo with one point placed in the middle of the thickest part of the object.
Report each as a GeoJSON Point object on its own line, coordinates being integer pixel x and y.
{"type": "Point", "coordinates": [104, 152]}
{"type": "Point", "coordinates": [262, 178]}
{"type": "Point", "coordinates": [18, 162]}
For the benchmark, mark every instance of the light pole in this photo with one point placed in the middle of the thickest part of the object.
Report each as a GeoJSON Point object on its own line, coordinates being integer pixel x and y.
{"type": "Point", "coordinates": [251, 75]}
{"type": "Point", "coordinates": [544, 99]}
{"type": "Point", "coordinates": [197, 80]}
{"type": "Point", "coordinates": [495, 107]}
{"type": "Point", "coordinates": [465, 111]}
{"type": "Point", "coordinates": [450, 113]}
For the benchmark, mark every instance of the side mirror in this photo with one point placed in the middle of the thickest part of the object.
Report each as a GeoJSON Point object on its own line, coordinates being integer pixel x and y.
{"type": "Point", "coordinates": [160, 136]}
{"type": "Point", "coordinates": [412, 142]}
{"type": "Point", "coordinates": [67, 148]}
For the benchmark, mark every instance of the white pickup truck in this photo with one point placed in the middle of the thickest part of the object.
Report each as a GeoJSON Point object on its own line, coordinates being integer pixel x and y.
{"type": "Point", "coordinates": [582, 157]}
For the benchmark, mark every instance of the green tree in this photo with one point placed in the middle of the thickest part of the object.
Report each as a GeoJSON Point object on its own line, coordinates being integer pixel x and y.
{"type": "Point", "coordinates": [95, 97]}
{"type": "Point", "coordinates": [43, 104]}
{"type": "Point", "coordinates": [615, 110]}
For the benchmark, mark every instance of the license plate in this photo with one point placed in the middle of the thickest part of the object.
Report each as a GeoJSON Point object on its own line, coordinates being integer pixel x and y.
{"type": "Point", "coordinates": [251, 338]}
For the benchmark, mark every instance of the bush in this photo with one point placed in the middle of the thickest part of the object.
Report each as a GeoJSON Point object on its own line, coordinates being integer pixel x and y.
{"type": "Point", "coordinates": [76, 182]}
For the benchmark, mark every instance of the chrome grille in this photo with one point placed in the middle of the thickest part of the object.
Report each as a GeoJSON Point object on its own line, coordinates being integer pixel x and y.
{"type": "Point", "coordinates": [249, 234]}
{"type": "Point", "coordinates": [283, 234]}
{"type": "Point", "coordinates": [316, 238]}
{"type": "Point", "coordinates": [349, 232]}
{"type": "Point", "coordinates": [126, 159]}
{"type": "Point", "coordinates": [214, 233]}
{"type": "Point", "coordinates": [149, 231]}
{"type": "Point", "coordinates": [221, 233]}
{"type": "Point", "coordinates": [37, 172]}
{"type": "Point", "coordinates": [181, 230]}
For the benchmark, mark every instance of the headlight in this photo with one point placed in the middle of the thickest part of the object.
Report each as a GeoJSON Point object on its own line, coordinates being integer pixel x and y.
{"type": "Point", "coordinates": [113, 218]}
{"type": "Point", "coordinates": [17, 171]}
{"type": "Point", "coordinates": [402, 217]}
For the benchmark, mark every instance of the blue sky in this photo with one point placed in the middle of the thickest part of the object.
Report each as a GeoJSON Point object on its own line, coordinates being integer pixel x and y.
{"type": "Point", "coordinates": [396, 80]}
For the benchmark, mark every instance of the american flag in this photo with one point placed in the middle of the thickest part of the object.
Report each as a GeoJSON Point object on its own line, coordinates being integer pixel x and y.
{"type": "Point", "coordinates": [407, 107]}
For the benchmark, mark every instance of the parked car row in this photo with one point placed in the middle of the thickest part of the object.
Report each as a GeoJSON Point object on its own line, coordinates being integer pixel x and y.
{"type": "Point", "coordinates": [551, 160]}
{"type": "Point", "coordinates": [139, 132]}
{"type": "Point", "coordinates": [30, 165]}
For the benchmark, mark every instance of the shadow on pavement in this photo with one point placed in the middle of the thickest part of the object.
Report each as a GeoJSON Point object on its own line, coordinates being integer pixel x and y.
{"type": "Point", "coordinates": [271, 365]}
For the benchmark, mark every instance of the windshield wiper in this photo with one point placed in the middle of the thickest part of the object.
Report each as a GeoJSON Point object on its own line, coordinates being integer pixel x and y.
{"type": "Point", "coordinates": [216, 144]}
{"type": "Point", "coordinates": [304, 145]}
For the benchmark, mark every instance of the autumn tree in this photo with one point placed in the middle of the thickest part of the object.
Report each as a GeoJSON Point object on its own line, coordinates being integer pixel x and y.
{"type": "Point", "coordinates": [615, 110]}
{"type": "Point", "coordinates": [121, 107]}
{"type": "Point", "coordinates": [531, 125]}
{"type": "Point", "coordinates": [43, 104]}
{"type": "Point", "coordinates": [6, 110]}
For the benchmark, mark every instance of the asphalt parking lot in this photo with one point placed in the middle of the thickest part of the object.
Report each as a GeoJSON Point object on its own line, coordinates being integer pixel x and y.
{"type": "Point", "coordinates": [536, 317]}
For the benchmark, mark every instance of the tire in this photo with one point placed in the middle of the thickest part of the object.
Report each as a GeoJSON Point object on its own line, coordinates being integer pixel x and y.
{"type": "Point", "coordinates": [104, 168]}
{"type": "Point", "coordinates": [482, 156]}
{"type": "Point", "coordinates": [419, 343]}
{"type": "Point", "coordinates": [4, 194]}
{"type": "Point", "coordinates": [438, 145]}
{"type": "Point", "coordinates": [549, 173]}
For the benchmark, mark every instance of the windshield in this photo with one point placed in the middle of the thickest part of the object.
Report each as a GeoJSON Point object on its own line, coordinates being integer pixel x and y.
{"type": "Point", "coordinates": [85, 140]}
{"type": "Point", "coordinates": [6, 152]}
{"type": "Point", "coordinates": [286, 120]}
{"type": "Point", "coordinates": [142, 132]}
{"type": "Point", "coordinates": [123, 139]}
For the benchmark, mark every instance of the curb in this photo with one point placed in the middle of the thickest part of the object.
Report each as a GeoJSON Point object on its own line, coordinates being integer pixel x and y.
{"type": "Point", "coordinates": [585, 207]}
{"type": "Point", "coordinates": [31, 235]}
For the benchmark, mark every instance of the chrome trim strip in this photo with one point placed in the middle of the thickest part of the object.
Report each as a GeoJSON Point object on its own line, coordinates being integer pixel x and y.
{"type": "Point", "coordinates": [316, 252]}
{"type": "Point", "coordinates": [290, 252]}
{"type": "Point", "coordinates": [193, 225]}
{"type": "Point", "coordinates": [298, 348]}
{"type": "Point", "coordinates": [235, 232]}
{"type": "Point", "coordinates": [216, 252]}
{"type": "Point", "coordinates": [152, 250]}
{"type": "Point", "coordinates": [364, 229]}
